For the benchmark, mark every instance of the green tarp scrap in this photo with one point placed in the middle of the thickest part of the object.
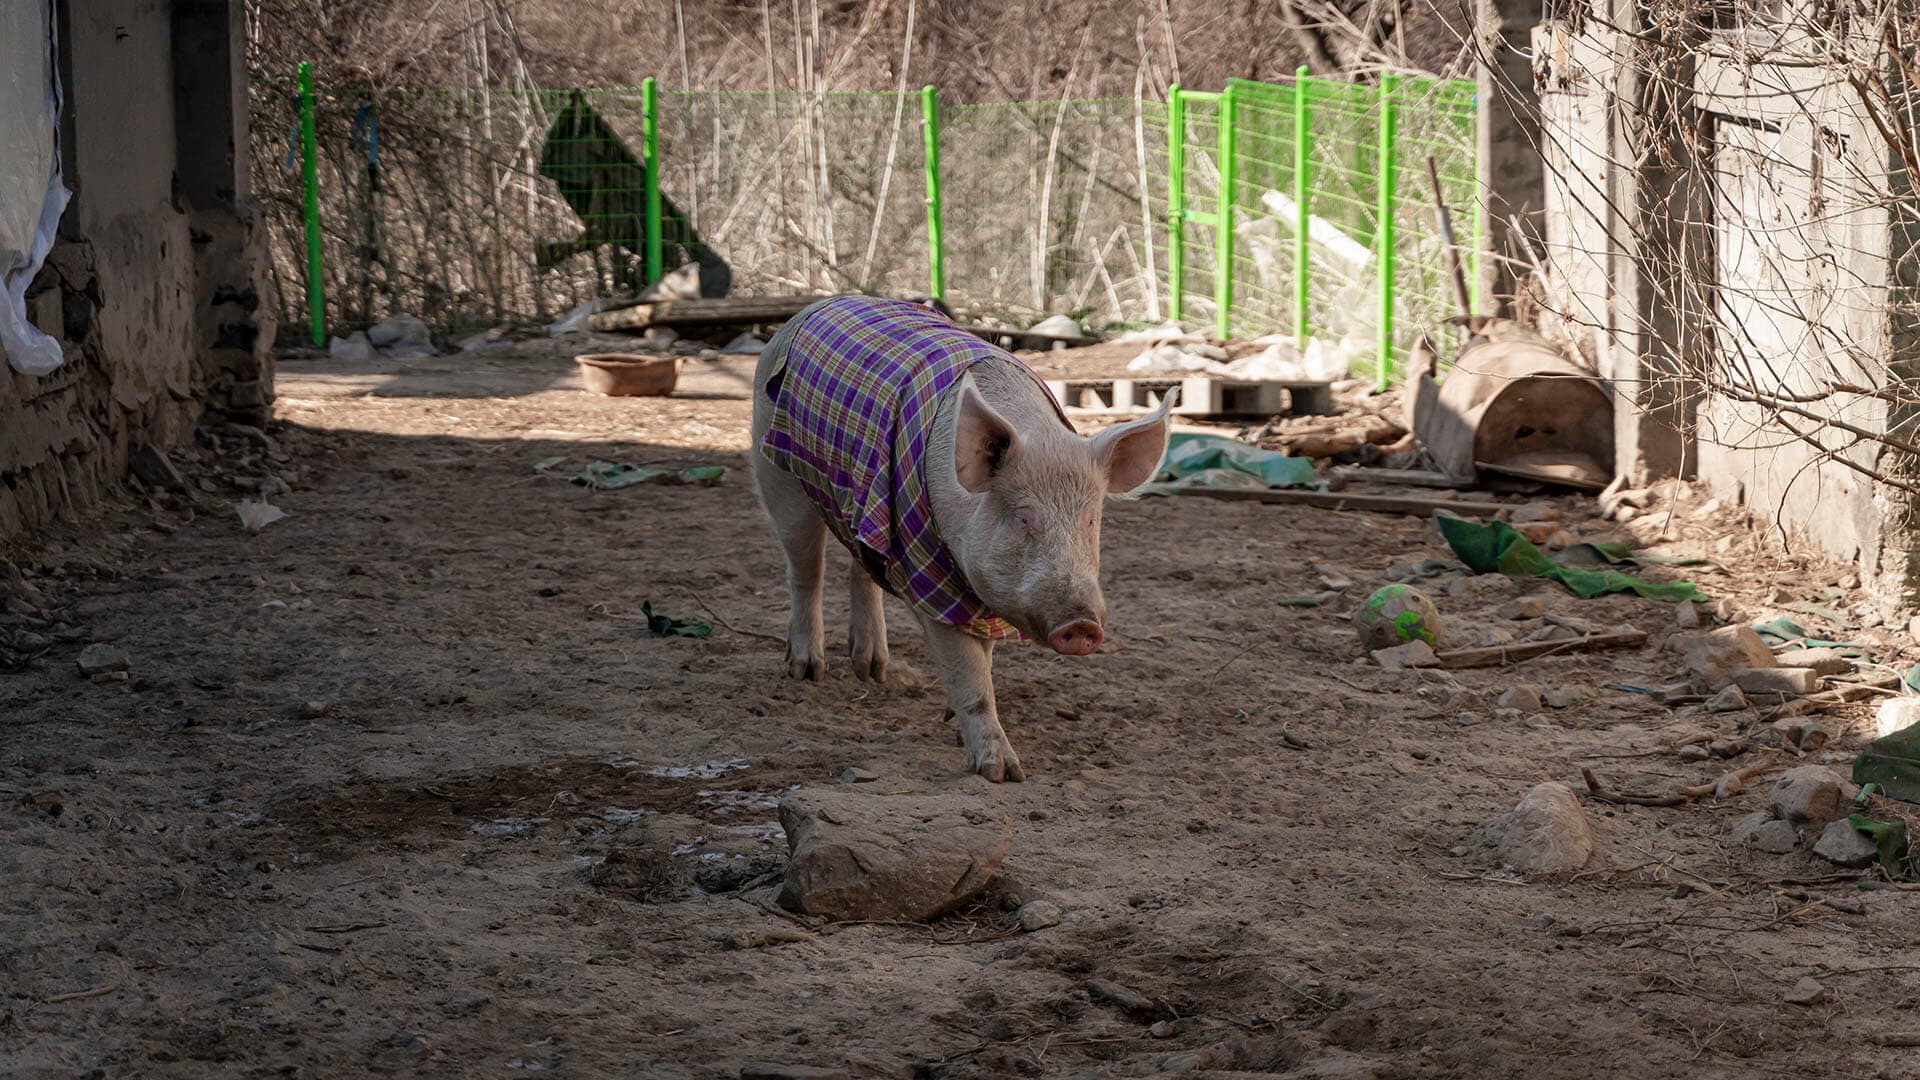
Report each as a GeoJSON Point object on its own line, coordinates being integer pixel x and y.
{"type": "Point", "coordinates": [1889, 840]}
{"type": "Point", "coordinates": [1196, 460]}
{"type": "Point", "coordinates": [605, 475]}
{"type": "Point", "coordinates": [1893, 763]}
{"type": "Point", "coordinates": [1784, 631]}
{"type": "Point", "coordinates": [1498, 546]}
{"type": "Point", "coordinates": [662, 626]}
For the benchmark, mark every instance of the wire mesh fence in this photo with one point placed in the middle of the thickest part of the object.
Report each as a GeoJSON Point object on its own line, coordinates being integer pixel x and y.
{"type": "Point", "coordinates": [476, 208]}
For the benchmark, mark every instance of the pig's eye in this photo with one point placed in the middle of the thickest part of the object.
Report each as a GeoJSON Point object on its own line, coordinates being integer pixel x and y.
{"type": "Point", "coordinates": [1023, 520]}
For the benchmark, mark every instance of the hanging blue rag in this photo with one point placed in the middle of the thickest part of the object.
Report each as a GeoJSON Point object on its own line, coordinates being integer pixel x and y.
{"type": "Point", "coordinates": [367, 124]}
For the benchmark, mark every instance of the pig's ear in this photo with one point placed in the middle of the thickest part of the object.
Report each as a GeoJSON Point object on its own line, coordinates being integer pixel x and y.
{"type": "Point", "coordinates": [1132, 451]}
{"type": "Point", "coordinates": [982, 439]}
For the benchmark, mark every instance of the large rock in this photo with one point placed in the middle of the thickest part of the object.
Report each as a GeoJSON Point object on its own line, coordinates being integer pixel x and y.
{"type": "Point", "coordinates": [1809, 795]}
{"type": "Point", "coordinates": [1547, 833]}
{"type": "Point", "coordinates": [905, 858]}
{"type": "Point", "coordinates": [1715, 658]}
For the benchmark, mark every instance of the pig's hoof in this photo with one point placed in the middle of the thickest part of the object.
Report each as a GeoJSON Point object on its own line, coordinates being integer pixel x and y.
{"type": "Point", "coordinates": [811, 668]}
{"type": "Point", "coordinates": [869, 663]}
{"type": "Point", "coordinates": [1000, 765]}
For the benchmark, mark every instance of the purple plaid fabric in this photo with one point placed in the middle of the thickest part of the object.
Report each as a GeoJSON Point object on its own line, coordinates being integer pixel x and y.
{"type": "Point", "coordinates": [853, 413]}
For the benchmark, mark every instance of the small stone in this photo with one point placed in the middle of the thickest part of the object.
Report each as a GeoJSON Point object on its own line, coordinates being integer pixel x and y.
{"type": "Point", "coordinates": [1789, 681]}
{"type": "Point", "coordinates": [1038, 915]}
{"type": "Point", "coordinates": [868, 857]}
{"type": "Point", "coordinates": [1748, 826]}
{"type": "Point", "coordinates": [1819, 661]}
{"type": "Point", "coordinates": [314, 710]}
{"type": "Point", "coordinates": [856, 775]}
{"type": "Point", "coordinates": [101, 659]}
{"type": "Point", "coordinates": [1727, 748]}
{"type": "Point", "coordinates": [1565, 697]}
{"type": "Point", "coordinates": [1554, 632]}
{"type": "Point", "coordinates": [1546, 833]}
{"type": "Point", "coordinates": [1163, 1029]}
{"type": "Point", "coordinates": [1842, 844]}
{"type": "Point", "coordinates": [1534, 511]}
{"type": "Point", "coordinates": [1813, 738]}
{"type": "Point", "coordinates": [1561, 540]}
{"type": "Point", "coordinates": [1777, 837]}
{"type": "Point", "coordinates": [1805, 992]}
{"type": "Point", "coordinates": [1494, 638]}
{"type": "Point", "coordinates": [1808, 795]}
{"type": "Point", "coordinates": [1913, 628]}
{"type": "Point", "coordinates": [1524, 698]}
{"type": "Point", "coordinates": [1714, 657]}
{"type": "Point", "coordinates": [1536, 532]}
{"type": "Point", "coordinates": [1686, 616]}
{"type": "Point", "coordinates": [1729, 699]}
{"type": "Point", "coordinates": [1125, 998]}
{"type": "Point", "coordinates": [1414, 654]}
{"type": "Point", "coordinates": [1522, 607]}
{"type": "Point", "coordinates": [1694, 752]}
{"type": "Point", "coordinates": [354, 349]}
{"type": "Point", "coordinates": [765, 1070]}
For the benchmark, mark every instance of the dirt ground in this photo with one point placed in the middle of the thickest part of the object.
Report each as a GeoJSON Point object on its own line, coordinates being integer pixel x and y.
{"type": "Point", "coordinates": [349, 811]}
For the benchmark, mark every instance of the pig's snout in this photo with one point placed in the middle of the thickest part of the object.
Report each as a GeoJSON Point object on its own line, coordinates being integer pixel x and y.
{"type": "Point", "coordinates": [1077, 638]}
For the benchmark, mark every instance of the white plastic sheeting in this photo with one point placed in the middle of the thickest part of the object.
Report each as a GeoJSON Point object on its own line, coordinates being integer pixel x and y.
{"type": "Point", "coordinates": [32, 196]}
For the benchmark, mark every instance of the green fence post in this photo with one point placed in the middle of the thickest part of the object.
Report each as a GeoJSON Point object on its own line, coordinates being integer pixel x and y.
{"type": "Point", "coordinates": [1479, 208]}
{"type": "Point", "coordinates": [310, 184]}
{"type": "Point", "coordinates": [1302, 206]}
{"type": "Point", "coordinates": [1223, 230]}
{"type": "Point", "coordinates": [650, 143]}
{"type": "Point", "coordinates": [1176, 200]}
{"type": "Point", "coordinates": [1383, 226]}
{"type": "Point", "coordinates": [936, 230]}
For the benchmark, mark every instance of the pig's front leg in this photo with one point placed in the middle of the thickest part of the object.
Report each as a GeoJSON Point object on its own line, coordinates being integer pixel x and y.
{"type": "Point", "coordinates": [965, 664]}
{"type": "Point", "coordinates": [867, 631]}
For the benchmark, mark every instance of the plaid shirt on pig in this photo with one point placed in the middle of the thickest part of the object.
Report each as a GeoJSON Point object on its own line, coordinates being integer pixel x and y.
{"type": "Point", "coordinates": [853, 414]}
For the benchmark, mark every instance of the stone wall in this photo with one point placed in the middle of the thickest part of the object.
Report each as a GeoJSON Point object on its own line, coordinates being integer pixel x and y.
{"type": "Point", "coordinates": [153, 284]}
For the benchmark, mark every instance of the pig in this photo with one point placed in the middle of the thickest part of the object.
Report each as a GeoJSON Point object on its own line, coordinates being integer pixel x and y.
{"type": "Point", "coordinates": [955, 480]}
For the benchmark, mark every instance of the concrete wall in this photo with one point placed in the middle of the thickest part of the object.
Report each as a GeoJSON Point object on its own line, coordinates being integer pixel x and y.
{"type": "Point", "coordinates": [1726, 223]}
{"type": "Point", "coordinates": [153, 284]}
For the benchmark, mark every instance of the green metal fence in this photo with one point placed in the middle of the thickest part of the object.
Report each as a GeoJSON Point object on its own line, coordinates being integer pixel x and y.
{"type": "Point", "coordinates": [1263, 208]}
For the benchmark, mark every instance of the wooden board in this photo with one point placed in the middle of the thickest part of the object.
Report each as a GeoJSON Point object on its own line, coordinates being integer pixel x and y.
{"type": "Point", "coordinates": [1336, 500]}
{"type": "Point", "coordinates": [727, 311]}
{"type": "Point", "coordinates": [1362, 474]}
{"type": "Point", "coordinates": [1527, 650]}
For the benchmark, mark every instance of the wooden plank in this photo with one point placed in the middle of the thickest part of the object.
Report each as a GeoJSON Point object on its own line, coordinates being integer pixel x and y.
{"type": "Point", "coordinates": [725, 311]}
{"type": "Point", "coordinates": [1362, 474]}
{"type": "Point", "coordinates": [993, 334]}
{"type": "Point", "coordinates": [1337, 500]}
{"type": "Point", "coordinates": [1528, 650]}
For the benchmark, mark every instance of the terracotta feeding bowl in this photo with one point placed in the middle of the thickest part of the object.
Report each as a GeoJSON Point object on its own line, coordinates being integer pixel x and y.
{"type": "Point", "coordinates": [628, 375]}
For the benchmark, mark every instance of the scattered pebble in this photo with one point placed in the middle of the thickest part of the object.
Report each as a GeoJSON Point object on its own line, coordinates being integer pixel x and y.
{"type": "Point", "coordinates": [1524, 698]}
{"type": "Point", "coordinates": [100, 659]}
{"type": "Point", "coordinates": [1038, 915]}
{"type": "Point", "coordinates": [1414, 654]}
{"type": "Point", "coordinates": [1522, 607]}
{"type": "Point", "coordinates": [1686, 616]}
{"type": "Point", "coordinates": [1842, 844]}
{"type": "Point", "coordinates": [1730, 699]}
{"type": "Point", "coordinates": [1805, 992]}
{"type": "Point", "coordinates": [1534, 511]}
{"type": "Point", "coordinates": [1565, 697]}
{"type": "Point", "coordinates": [314, 710]}
{"type": "Point", "coordinates": [856, 775]}
{"type": "Point", "coordinates": [1694, 752]}
{"type": "Point", "coordinates": [1727, 748]}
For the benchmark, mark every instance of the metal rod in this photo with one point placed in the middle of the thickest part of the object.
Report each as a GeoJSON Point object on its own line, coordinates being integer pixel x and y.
{"type": "Point", "coordinates": [1302, 203]}
{"type": "Point", "coordinates": [650, 148]}
{"type": "Point", "coordinates": [936, 230]}
{"type": "Point", "coordinates": [310, 184]}
{"type": "Point", "coordinates": [1223, 233]}
{"type": "Point", "coordinates": [1176, 200]}
{"type": "Point", "coordinates": [1383, 225]}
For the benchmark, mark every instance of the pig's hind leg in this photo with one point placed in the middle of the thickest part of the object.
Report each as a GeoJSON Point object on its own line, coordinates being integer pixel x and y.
{"type": "Point", "coordinates": [965, 664]}
{"type": "Point", "coordinates": [803, 536]}
{"type": "Point", "coordinates": [867, 629]}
